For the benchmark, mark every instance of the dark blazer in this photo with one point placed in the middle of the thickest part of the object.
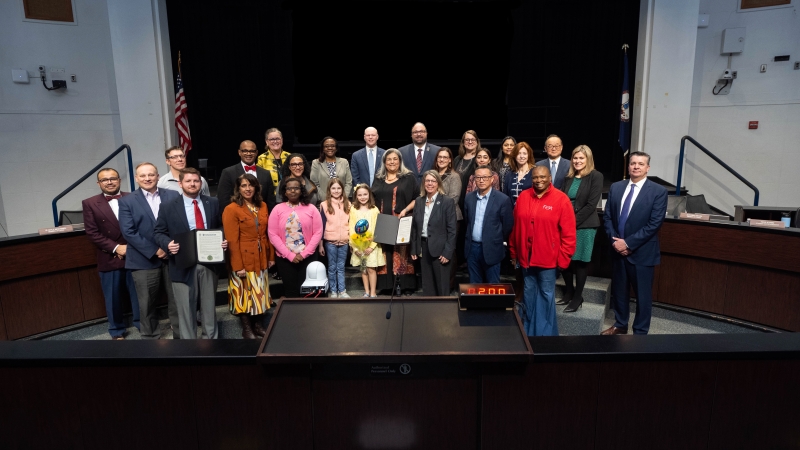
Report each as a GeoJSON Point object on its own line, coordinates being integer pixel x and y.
{"type": "Point", "coordinates": [644, 220]}
{"type": "Point", "coordinates": [497, 223]}
{"type": "Point", "coordinates": [172, 221]}
{"type": "Point", "coordinates": [562, 171]}
{"type": "Point", "coordinates": [410, 158]}
{"type": "Point", "coordinates": [441, 227]}
{"type": "Point", "coordinates": [102, 228]}
{"type": "Point", "coordinates": [136, 221]}
{"type": "Point", "coordinates": [585, 204]}
{"type": "Point", "coordinates": [227, 185]}
{"type": "Point", "coordinates": [359, 165]}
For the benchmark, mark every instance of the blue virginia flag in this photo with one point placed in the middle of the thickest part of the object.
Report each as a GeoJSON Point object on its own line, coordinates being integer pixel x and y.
{"type": "Point", "coordinates": [625, 112]}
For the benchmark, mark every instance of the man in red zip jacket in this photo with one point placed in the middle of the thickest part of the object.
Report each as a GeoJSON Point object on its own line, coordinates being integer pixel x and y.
{"type": "Point", "coordinates": [542, 241]}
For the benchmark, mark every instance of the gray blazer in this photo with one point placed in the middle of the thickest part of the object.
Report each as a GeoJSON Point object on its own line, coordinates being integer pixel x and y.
{"type": "Point", "coordinates": [452, 188]}
{"type": "Point", "coordinates": [320, 177]}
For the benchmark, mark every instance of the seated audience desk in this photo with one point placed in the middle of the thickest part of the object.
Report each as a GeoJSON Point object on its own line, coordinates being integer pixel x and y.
{"type": "Point", "coordinates": [47, 282]}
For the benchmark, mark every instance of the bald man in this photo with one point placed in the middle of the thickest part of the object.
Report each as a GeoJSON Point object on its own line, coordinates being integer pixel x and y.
{"type": "Point", "coordinates": [227, 180]}
{"type": "Point", "coordinates": [365, 162]}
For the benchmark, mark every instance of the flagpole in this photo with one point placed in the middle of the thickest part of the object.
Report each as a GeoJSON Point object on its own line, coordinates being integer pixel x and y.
{"type": "Point", "coordinates": [179, 65]}
{"type": "Point", "coordinates": [624, 155]}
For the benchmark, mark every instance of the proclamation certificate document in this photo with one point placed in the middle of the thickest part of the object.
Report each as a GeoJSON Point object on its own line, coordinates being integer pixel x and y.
{"type": "Point", "coordinates": [404, 230]}
{"type": "Point", "coordinates": [209, 246]}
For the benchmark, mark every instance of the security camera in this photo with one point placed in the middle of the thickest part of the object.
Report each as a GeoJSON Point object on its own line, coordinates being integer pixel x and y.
{"type": "Point", "coordinates": [727, 74]}
{"type": "Point", "coordinates": [41, 68]}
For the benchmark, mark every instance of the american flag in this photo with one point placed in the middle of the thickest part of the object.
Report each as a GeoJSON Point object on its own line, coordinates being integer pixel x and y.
{"type": "Point", "coordinates": [182, 118]}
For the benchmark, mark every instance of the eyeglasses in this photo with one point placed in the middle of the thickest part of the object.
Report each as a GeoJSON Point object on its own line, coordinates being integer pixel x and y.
{"type": "Point", "coordinates": [108, 180]}
{"type": "Point", "coordinates": [249, 152]}
{"type": "Point", "coordinates": [470, 140]}
{"type": "Point", "coordinates": [295, 164]}
{"type": "Point", "coordinates": [442, 157]}
{"type": "Point", "coordinates": [177, 157]}
{"type": "Point", "coordinates": [330, 146]}
{"type": "Point", "coordinates": [552, 147]}
{"type": "Point", "coordinates": [419, 132]}
{"type": "Point", "coordinates": [274, 139]}
{"type": "Point", "coordinates": [482, 177]}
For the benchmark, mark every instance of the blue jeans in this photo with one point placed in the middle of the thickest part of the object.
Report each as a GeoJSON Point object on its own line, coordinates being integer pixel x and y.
{"type": "Point", "coordinates": [479, 271]}
{"type": "Point", "coordinates": [539, 296]}
{"type": "Point", "coordinates": [337, 256]}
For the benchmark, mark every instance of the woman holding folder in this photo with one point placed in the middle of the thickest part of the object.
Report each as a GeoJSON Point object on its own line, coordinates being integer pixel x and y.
{"type": "Point", "coordinates": [395, 189]}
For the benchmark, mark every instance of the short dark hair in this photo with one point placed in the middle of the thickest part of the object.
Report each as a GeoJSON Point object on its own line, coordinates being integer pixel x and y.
{"type": "Point", "coordinates": [640, 154]}
{"type": "Point", "coordinates": [174, 147]}
{"type": "Point", "coordinates": [237, 195]}
{"type": "Point", "coordinates": [322, 147]}
{"type": "Point", "coordinates": [104, 169]}
{"type": "Point", "coordinates": [189, 170]}
{"type": "Point", "coordinates": [286, 173]}
{"type": "Point", "coordinates": [304, 196]}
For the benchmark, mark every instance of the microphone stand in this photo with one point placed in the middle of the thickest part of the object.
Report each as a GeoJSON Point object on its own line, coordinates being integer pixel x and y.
{"type": "Point", "coordinates": [395, 288]}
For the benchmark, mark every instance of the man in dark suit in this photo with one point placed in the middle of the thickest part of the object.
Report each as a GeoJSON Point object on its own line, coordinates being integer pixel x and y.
{"type": "Point", "coordinates": [559, 167]}
{"type": "Point", "coordinates": [365, 162]}
{"type": "Point", "coordinates": [419, 156]}
{"type": "Point", "coordinates": [489, 216]}
{"type": "Point", "coordinates": [634, 212]}
{"type": "Point", "coordinates": [227, 179]}
{"type": "Point", "coordinates": [190, 211]}
{"type": "Point", "coordinates": [147, 262]}
{"type": "Point", "coordinates": [100, 219]}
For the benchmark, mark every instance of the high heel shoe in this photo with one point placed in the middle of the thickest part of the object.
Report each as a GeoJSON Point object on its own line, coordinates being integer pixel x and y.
{"type": "Point", "coordinates": [565, 299]}
{"type": "Point", "coordinates": [574, 306]}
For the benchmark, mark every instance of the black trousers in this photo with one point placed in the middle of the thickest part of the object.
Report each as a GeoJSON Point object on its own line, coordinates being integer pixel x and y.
{"type": "Point", "coordinates": [435, 275]}
{"type": "Point", "coordinates": [293, 274]}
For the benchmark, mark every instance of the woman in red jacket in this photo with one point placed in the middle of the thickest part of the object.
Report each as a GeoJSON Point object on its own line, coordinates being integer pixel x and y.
{"type": "Point", "coordinates": [542, 240]}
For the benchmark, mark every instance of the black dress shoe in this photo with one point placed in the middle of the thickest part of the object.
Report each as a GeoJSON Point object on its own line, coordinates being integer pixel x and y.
{"type": "Point", "coordinates": [565, 299]}
{"type": "Point", "coordinates": [574, 305]}
{"type": "Point", "coordinates": [614, 330]}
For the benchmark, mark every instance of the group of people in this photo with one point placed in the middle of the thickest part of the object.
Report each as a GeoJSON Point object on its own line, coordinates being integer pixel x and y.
{"type": "Point", "coordinates": [278, 211]}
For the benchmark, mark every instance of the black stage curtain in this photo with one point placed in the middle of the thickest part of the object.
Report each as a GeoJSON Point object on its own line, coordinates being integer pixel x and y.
{"type": "Point", "coordinates": [314, 69]}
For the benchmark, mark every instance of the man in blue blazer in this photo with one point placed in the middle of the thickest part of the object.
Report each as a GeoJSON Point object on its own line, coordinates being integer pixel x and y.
{"type": "Point", "coordinates": [364, 163]}
{"type": "Point", "coordinates": [145, 259]}
{"type": "Point", "coordinates": [489, 216]}
{"type": "Point", "coordinates": [419, 148]}
{"type": "Point", "coordinates": [634, 212]}
{"type": "Point", "coordinates": [559, 167]}
{"type": "Point", "coordinates": [188, 212]}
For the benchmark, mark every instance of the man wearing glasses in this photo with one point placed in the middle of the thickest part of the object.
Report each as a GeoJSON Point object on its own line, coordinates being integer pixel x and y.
{"type": "Point", "coordinates": [419, 155]}
{"type": "Point", "coordinates": [559, 167]}
{"type": "Point", "coordinates": [101, 221]}
{"type": "Point", "coordinates": [247, 164]}
{"type": "Point", "coordinates": [489, 216]}
{"type": "Point", "coordinates": [273, 159]}
{"type": "Point", "coordinates": [176, 161]}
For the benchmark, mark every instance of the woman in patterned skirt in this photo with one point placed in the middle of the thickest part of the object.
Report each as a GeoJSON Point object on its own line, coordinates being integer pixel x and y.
{"type": "Point", "coordinates": [583, 186]}
{"type": "Point", "coordinates": [395, 189]}
{"type": "Point", "coordinates": [250, 255]}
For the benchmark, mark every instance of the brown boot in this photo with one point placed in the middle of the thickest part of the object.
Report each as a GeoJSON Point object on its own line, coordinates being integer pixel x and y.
{"type": "Point", "coordinates": [258, 329]}
{"type": "Point", "coordinates": [247, 330]}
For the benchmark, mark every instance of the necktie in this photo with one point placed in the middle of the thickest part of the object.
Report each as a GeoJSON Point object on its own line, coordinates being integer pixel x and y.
{"type": "Point", "coordinates": [623, 217]}
{"type": "Point", "coordinates": [113, 197]}
{"type": "Point", "coordinates": [250, 168]}
{"type": "Point", "coordinates": [553, 169]}
{"type": "Point", "coordinates": [371, 159]}
{"type": "Point", "coordinates": [419, 160]}
{"type": "Point", "coordinates": [198, 217]}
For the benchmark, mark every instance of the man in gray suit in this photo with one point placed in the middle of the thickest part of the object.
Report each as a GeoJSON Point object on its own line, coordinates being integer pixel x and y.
{"type": "Point", "coordinates": [419, 155]}
{"type": "Point", "coordinates": [559, 167]}
{"type": "Point", "coordinates": [364, 163]}
{"type": "Point", "coordinates": [147, 262]}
